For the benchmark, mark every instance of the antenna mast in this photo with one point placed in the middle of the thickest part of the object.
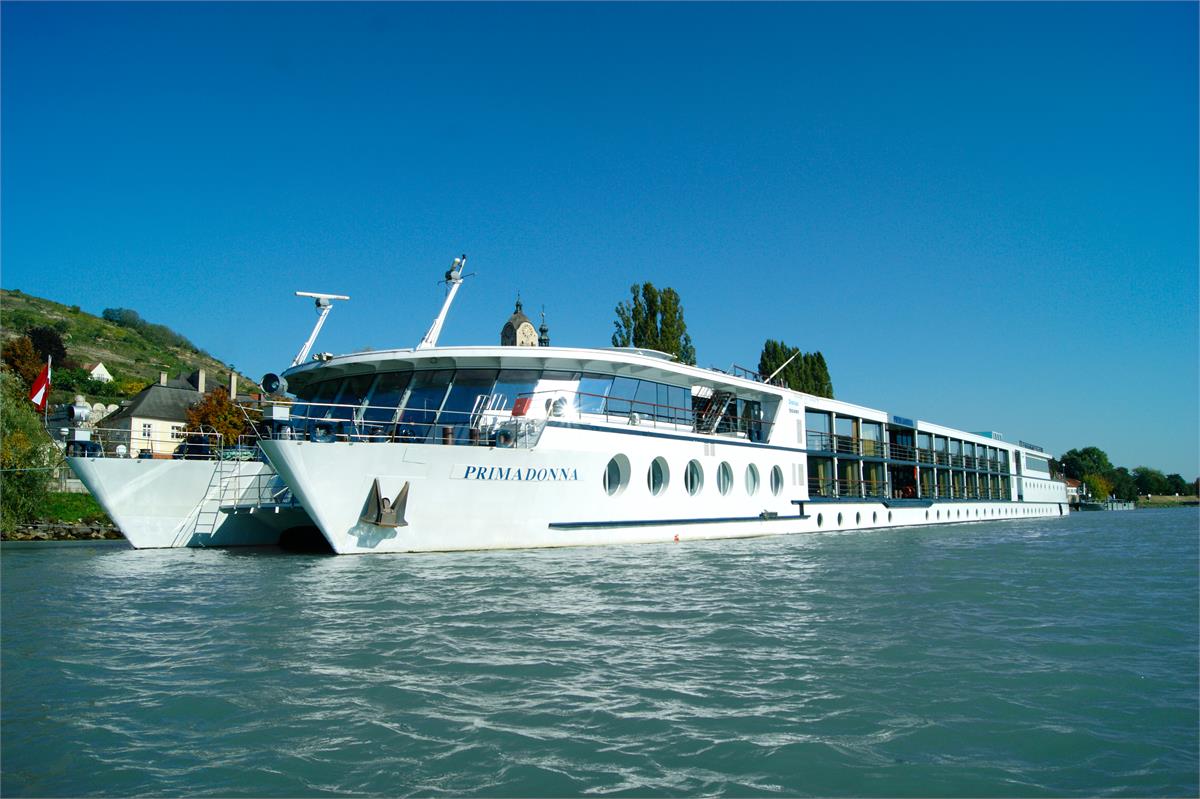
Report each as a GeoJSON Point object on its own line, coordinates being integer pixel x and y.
{"type": "Point", "coordinates": [454, 279]}
{"type": "Point", "coordinates": [324, 304]}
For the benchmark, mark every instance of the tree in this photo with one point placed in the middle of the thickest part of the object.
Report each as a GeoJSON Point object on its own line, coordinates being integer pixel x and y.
{"type": "Point", "coordinates": [1077, 463]}
{"type": "Point", "coordinates": [1150, 481]}
{"type": "Point", "coordinates": [217, 412]}
{"type": "Point", "coordinates": [26, 454]}
{"type": "Point", "coordinates": [807, 372]}
{"type": "Point", "coordinates": [653, 320]}
{"type": "Point", "coordinates": [1177, 485]}
{"type": "Point", "coordinates": [48, 343]}
{"type": "Point", "coordinates": [123, 317]}
{"type": "Point", "coordinates": [1097, 486]}
{"type": "Point", "coordinates": [20, 356]}
{"type": "Point", "coordinates": [1123, 486]}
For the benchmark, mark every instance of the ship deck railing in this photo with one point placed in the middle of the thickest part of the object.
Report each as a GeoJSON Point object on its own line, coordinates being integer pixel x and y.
{"type": "Point", "coordinates": [491, 422]}
{"type": "Point", "coordinates": [485, 425]}
{"type": "Point", "coordinates": [157, 444]}
{"type": "Point", "coordinates": [849, 489]}
{"type": "Point", "coordinates": [818, 442]}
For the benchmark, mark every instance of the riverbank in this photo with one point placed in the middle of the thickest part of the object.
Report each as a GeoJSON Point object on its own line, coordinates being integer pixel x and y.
{"type": "Point", "coordinates": [62, 531]}
{"type": "Point", "coordinates": [1167, 502]}
{"type": "Point", "coordinates": [65, 517]}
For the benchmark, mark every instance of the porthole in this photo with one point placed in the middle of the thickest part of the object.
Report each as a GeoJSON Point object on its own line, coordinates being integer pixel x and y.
{"type": "Point", "coordinates": [939, 516]}
{"type": "Point", "coordinates": [752, 479]}
{"type": "Point", "coordinates": [693, 478]}
{"type": "Point", "coordinates": [820, 520]}
{"type": "Point", "coordinates": [658, 477]}
{"type": "Point", "coordinates": [874, 518]}
{"type": "Point", "coordinates": [926, 515]}
{"type": "Point", "coordinates": [857, 519]}
{"type": "Point", "coordinates": [839, 520]}
{"type": "Point", "coordinates": [616, 475]}
{"type": "Point", "coordinates": [724, 478]}
{"type": "Point", "coordinates": [889, 517]}
{"type": "Point", "coordinates": [776, 480]}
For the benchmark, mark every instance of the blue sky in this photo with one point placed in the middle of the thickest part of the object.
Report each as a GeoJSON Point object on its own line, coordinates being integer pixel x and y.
{"type": "Point", "coordinates": [984, 215]}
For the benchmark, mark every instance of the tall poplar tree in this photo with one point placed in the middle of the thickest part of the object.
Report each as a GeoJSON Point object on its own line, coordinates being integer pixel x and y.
{"type": "Point", "coordinates": [807, 371]}
{"type": "Point", "coordinates": [653, 319]}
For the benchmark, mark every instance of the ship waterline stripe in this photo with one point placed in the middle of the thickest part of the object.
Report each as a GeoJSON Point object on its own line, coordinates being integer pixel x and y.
{"type": "Point", "coordinates": [601, 525]}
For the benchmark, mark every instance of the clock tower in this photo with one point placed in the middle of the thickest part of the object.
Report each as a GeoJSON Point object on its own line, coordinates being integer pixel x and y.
{"type": "Point", "coordinates": [518, 331]}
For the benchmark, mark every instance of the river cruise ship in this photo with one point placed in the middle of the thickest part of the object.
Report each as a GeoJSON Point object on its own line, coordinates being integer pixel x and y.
{"type": "Point", "coordinates": [462, 448]}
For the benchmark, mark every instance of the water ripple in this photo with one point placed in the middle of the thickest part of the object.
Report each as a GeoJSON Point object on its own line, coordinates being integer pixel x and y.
{"type": "Point", "coordinates": [1054, 657]}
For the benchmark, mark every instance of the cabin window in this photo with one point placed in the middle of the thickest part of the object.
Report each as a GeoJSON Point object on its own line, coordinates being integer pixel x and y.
{"type": "Point", "coordinates": [776, 480]}
{"type": "Point", "coordinates": [820, 477]}
{"type": "Point", "coordinates": [658, 477]}
{"type": "Point", "coordinates": [1035, 464]}
{"type": "Point", "coordinates": [693, 477]}
{"type": "Point", "coordinates": [872, 439]}
{"type": "Point", "coordinates": [616, 475]}
{"type": "Point", "coordinates": [724, 478]}
{"type": "Point", "coordinates": [752, 479]}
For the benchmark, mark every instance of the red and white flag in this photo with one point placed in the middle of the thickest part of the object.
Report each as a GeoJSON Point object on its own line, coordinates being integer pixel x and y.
{"type": "Point", "coordinates": [40, 391]}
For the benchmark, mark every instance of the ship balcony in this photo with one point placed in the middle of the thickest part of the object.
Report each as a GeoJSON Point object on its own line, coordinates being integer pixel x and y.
{"type": "Point", "coordinates": [826, 488]}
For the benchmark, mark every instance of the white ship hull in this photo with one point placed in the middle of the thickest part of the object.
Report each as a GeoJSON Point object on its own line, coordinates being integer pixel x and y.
{"type": "Point", "coordinates": [189, 503]}
{"type": "Point", "coordinates": [475, 498]}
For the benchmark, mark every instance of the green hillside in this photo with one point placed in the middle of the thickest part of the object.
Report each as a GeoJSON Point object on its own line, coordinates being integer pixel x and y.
{"type": "Point", "coordinates": [133, 356]}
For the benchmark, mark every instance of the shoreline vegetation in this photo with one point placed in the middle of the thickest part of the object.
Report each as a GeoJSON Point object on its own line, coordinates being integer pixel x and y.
{"type": "Point", "coordinates": [65, 517]}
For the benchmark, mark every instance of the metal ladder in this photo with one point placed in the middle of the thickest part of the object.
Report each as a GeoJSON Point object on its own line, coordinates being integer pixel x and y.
{"type": "Point", "coordinates": [712, 412]}
{"type": "Point", "coordinates": [204, 519]}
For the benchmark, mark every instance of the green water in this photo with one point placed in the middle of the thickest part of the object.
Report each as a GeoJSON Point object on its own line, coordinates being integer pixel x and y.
{"type": "Point", "coordinates": [1006, 658]}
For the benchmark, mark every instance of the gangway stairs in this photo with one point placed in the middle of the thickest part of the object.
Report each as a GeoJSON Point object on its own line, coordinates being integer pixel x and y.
{"type": "Point", "coordinates": [231, 489]}
{"type": "Point", "coordinates": [709, 417]}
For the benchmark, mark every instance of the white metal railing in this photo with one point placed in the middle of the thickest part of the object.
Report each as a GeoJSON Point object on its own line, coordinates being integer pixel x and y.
{"type": "Point", "coordinates": [489, 422]}
{"type": "Point", "coordinates": [153, 443]}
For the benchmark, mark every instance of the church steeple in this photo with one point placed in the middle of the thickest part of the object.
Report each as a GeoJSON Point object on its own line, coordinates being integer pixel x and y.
{"type": "Point", "coordinates": [518, 330]}
{"type": "Point", "coordinates": [543, 331]}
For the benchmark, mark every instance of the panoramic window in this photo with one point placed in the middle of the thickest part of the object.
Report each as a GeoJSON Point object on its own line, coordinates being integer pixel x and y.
{"type": "Point", "coordinates": [386, 396]}
{"type": "Point", "coordinates": [424, 401]}
{"type": "Point", "coordinates": [512, 383]}
{"type": "Point", "coordinates": [593, 392]}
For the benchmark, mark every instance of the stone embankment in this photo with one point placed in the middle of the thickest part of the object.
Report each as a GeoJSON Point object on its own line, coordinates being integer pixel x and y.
{"type": "Point", "coordinates": [62, 531]}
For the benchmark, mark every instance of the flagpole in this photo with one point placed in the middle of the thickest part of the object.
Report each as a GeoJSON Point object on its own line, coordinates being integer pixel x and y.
{"type": "Point", "coordinates": [46, 406]}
